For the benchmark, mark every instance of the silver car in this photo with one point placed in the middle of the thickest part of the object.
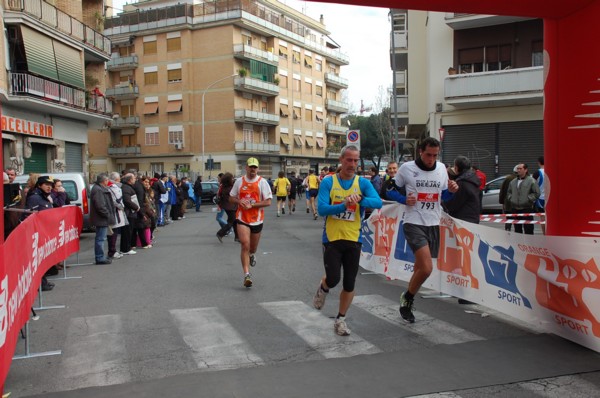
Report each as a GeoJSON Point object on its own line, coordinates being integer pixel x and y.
{"type": "Point", "coordinates": [491, 193]}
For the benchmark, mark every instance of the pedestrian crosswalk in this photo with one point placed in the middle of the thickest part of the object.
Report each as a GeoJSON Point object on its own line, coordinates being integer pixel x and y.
{"type": "Point", "coordinates": [95, 350]}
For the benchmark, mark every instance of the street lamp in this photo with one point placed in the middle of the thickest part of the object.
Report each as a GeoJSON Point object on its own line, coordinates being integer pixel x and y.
{"type": "Point", "coordinates": [203, 94]}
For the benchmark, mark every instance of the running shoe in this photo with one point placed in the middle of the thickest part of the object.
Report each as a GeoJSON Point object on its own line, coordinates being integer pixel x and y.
{"type": "Point", "coordinates": [248, 280]}
{"type": "Point", "coordinates": [283, 211]}
{"type": "Point", "coordinates": [130, 252]}
{"type": "Point", "coordinates": [278, 214]}
{"type": "Point", "coordinates": [340, 327]}
{"type": "Point", "coordinates": [406, 308]}
{"type": "Point", "coordinates": [147, 247]}
{"type": "Point", "coordinates": [316, 216]}
{"type": "Point", "coordinates": [307, 211]}
{"type": "Point", "coordinates": [252, 260]}
{"type": "Point", "coordinates": [220, 238]}
{"type": "Point", "coordinates": [117, 255]}
{"type": "Point", "coordinates": [319, 299]}
{"type": "Point", "coordinates": [294, 209]}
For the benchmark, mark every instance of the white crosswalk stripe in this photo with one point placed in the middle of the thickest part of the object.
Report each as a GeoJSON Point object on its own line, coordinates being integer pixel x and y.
{"type": "Point", "coordinates": [215, 343]}
{"type": "Point", "coordinates": [317, 330]}
{"type": "Point", "coordinates": [93, 353]}
{"type": "Point", "coordinates": [434, 330]}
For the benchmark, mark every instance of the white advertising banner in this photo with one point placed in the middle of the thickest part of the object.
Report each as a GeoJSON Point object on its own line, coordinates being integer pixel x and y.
{"type": "Point", "coordinates": [549, 281]}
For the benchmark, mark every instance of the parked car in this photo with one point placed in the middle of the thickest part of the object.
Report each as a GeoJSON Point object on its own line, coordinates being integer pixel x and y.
{"type": "Point", "coordinates": [491, 194]}
{"type": "Point", "coordinates": [77, 189]}
{"type": "Point", "coordinates": [209, 193]}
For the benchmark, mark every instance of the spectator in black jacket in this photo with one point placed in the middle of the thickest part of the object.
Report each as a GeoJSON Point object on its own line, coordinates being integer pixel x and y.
{"type": "Point", "coordinates": [185, 187]}
{"type": "Point", "coordinates": [465, 203]}
{"type": "Point", "coordinates": [102, 215]}
{"type": "Point", "coordinates": [132, 208]}
{"type": "Point", "coordinates": [198, 192]}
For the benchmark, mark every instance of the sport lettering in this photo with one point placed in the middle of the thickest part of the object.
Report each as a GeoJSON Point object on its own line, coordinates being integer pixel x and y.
{"type": "Point", "coordinates": [427, 184]}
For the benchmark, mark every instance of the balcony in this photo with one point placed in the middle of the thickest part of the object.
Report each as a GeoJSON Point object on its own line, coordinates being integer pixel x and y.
{"type": "Point", "coordinates": [334, 154]}
{"type": "Point", "coordinates": [256, 86]}
{"type": "Point", "coordinates": [126, 92]}
{"type": "Point", "coordinates": [400, 40]}
{"type": "Point", "coordinates": [336, 106]}
{"type": "Point", "coordinates": [122, 63]}
{"type": "Point", "coordinates": [96, 44]}
{"type": "Point", "coordinates": [253, 117]}
{"type": "Point", "coordinates": [331, 128]}
{"type": "Point", "coordinates": [522, 86]}
{"type": "Point", "coordinates": [38, 94]}
{"type": "Point", "coordinates": [333, 80]}
{"type": "Point", "coordinates": [129, 122]}
{"type": "Point", "coordinates": [255, 147]}
{"type": "Point", "coordinates": [245, 52]}
{"type": "Point", "coordinates": [124, 151]}
{"type": "Point", "coordinates": [458, 21]}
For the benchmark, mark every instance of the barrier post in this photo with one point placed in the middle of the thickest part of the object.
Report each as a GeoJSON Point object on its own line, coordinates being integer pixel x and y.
{"type": "Point", "coordinates": [41, 303]}
{"type": "Point", "coordinates": [29, 354]}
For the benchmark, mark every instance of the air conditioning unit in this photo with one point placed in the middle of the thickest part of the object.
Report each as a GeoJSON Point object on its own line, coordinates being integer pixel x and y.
{"type": "Point", "coordinates": [179, 145]}
{"type": "Point", "coordinates": [438, 107]}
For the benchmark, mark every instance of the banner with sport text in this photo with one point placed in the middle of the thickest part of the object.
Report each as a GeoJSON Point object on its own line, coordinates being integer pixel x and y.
{"type": "Point", "coordinates": [42, 240]}
{"type": "Point", "coordinates": [549, 281]}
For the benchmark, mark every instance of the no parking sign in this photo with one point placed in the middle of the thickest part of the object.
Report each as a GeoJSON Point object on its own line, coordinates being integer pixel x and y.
{"type": "Point", "coordinates": [353, 138]}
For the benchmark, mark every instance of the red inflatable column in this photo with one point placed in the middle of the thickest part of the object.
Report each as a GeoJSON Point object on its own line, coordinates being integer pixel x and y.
{"type": "Point", "coordinates": [572, 123]}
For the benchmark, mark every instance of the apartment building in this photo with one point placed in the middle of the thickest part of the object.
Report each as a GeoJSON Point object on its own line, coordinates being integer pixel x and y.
{"type": "Point", "coordinates": [474, 81]}
{"type": "Point", "coordinates": [201, 87]}
{"type": "Point", "coordinates": [52, 58]}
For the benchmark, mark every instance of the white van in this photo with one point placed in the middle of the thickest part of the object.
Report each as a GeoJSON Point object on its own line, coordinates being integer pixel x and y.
{"type": "Point", "coordinates": [77, 189]}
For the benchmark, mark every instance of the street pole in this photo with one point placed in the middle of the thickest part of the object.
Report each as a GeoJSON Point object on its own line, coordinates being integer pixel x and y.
{"type": "Point", "coordinates": [203, 94]}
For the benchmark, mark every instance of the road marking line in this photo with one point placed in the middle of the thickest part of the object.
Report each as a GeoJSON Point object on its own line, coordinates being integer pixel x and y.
{"type": "Point", "coordinates": [434, 330]}
{"type": "Point", "coordinates": [93, 353]}
{"type": "Point", "coordinates": [215, 343]}
{"type": "Point", "coordinates": [317, 330]}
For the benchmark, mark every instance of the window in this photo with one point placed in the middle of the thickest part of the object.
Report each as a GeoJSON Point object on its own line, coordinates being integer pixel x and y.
{"type": "Point", "coordinates": [307, 87]}
{"type": "Point", "coordinates": [174, 106]}
{"type": "Point", "coordinates": [151, 78]}
{"type": "Point", "coordinates": [248, 135]}
{"type": "Point", "coordinates": [175, 136]}
{"type": "Point", "coordinates": [149, 47]}
{"type": "Point", "coordinates": [174, 75]}
{"type": "Point", "coordinates": [182, 166]}
{"type": "Point", "coordinates": [308, 115]}
{"type": "Point", "coordinates": [152, 136]}
{"type": "Point", "coordinates": [283, 81]}
{"type": "Point", "coordinates": [319, 91]}
{"type": "Point", "coordinates": [151, 108]}
{"type": "Point", "coordinates": [308, 62]}
{"type": "Point", "coordinates": [297, 112]}
{"type": "Point", "coordinates": [318, 65]}
{"type": "Point", "coordinates": [127, 110]}
{"type": "Point", "coordinates": [284, 111]}
{"type": "Point", "coordinates": [174, 44]}
{"type": "Point", "coordinates": [156, 168]}
{"type": "Point", "coordinates": [319, 117]}
{"type": "Point", "coordinates": [399, 22]}
{"type": "Point", "coordinates": [296, 84]}
{"type": "Point", "coordinates": [296, 57]}
{"type": "Point", "coordinates": [283, 52]}
{"type": "Point", "coordinates": [265, 137]}
{"type": "Point", "coordinates": [246, 39]}
{"type": "Point", "coordinates": [331, 94]}
{"type": "Point", "coordinates": [537, 53]}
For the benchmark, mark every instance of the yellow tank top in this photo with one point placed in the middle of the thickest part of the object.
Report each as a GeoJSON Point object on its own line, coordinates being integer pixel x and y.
{"type": "Point", "coordinates": [346, 225]}
{"type": "Point", "coordinates": [281, 185]}
{"type": "Point", "coordinates": [313, 182]}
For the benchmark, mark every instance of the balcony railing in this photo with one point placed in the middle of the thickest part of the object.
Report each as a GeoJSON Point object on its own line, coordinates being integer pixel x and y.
{"type": "Point", "coordinates": [256, 86]}
{"type": "Point", "coordinates": [130, 91]}
{"type": "Point", "coordinates": [253, 117]}
{"type": "Point", "coordinates": [459, 21]}
{"type": "Point", "coordinates": [331, 128]}
{"type": "Point", "coordinates": [335, 81]}
{"type": "Point", "coordinates": [248, 52]}
{"type": "Point", "coordinates": [54, 92]}
{"type": "Point", "coordinates": [401, 104]}
{"type": "Point", "coordinates": [215, 11]}
{"type": "Point", "coordinates": [122, 63]}
{"type": "Point", "coordinates": [243, 146]}
{"type": "Point", "coordinates": [125, 122]}
{"type": "Point", "coordinates": [521, 86]}
{"type": "Point", "coordinates": [60, 20]}
{"type": "Point", "coordinates": [124, 150]}
{"type": "Point", "coordinates": [336, 106]}
{"type": "Point", "coordinates": [400, 40]}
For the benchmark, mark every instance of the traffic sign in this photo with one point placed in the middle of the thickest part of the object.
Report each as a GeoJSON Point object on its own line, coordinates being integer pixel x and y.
{"type": "Point", "coordinates": [353, 138]}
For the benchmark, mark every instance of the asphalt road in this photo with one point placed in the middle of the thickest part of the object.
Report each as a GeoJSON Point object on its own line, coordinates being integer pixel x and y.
{"type": "Point", "coordinates": [174, 320]}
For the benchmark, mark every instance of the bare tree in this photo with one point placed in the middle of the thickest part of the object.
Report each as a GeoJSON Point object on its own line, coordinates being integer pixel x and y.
{"type": "Point", "coordinates": [381, 122]}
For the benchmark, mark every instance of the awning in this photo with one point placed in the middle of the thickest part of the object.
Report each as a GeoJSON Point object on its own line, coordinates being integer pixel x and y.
{"type": "Point", "coordinates": [298, 141]}
{"type": "Point", "coordinates": [151, 108]}
{"type": "Point", "coordinates": [39, 52]}
{"type": "Point", "coordinates": [320, 143]}
{"type": "Point", "coordinates": [45, 141]}
{"type": "Point", "coordinates": [284, 111]}
{"type": "Point", "coordinates": [283, 51]}
{"type": "Point", "coordinates": [285, 139]}
{"type": "Point", "coordinates": [308, 61]}
{"type": "Point", "coordinates": [310, 142]}
{"type": "Point", "coordinates": [296, 113]}
{"type": "Point", "coordinates": [319, 116]}
{"type": "Point", "coordinates": [174, 106]}
{"type": "Point", "coordinates": [69, 64]}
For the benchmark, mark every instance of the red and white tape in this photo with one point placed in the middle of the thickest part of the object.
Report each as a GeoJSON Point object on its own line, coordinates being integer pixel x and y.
{"type": "Point", "coordinates": [502, 218]}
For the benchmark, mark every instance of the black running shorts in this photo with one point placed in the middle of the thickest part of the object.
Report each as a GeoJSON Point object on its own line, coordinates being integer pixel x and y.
{"type": "Point", "coordinates": [419, 236]}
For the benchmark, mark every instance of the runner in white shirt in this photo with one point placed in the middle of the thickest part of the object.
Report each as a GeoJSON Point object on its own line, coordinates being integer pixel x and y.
{"type": "Point", "coordinates": [426, 183]}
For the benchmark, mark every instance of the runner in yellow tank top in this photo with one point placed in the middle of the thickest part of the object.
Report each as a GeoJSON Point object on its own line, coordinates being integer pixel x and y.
{"type": "Point", "coordinates": [282, 188]}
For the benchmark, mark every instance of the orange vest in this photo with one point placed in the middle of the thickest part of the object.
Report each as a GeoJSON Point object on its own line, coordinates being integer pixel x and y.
{"type": "Point", "coordinates": [250, 191]}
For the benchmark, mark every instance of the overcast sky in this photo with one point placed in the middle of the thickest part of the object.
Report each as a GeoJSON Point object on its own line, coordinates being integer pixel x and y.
{"type": "Point", "coordinates": [363, 33]}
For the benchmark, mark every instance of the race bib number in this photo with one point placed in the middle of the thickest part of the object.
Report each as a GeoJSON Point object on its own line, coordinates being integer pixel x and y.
{"type": "Point", "coordinates": [348, 215]}
{"type": "Point", "coordinates": [427, 201]}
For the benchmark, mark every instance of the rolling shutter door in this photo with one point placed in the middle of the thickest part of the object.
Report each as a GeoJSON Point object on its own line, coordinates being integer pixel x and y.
{"type": "Point", "coordinates": [39, 52]}
{"type": "Point", "coordinates": [69, 64]}
{"type": "Point", "coordinates": [520, 142]}
{"type": "Point", "coordinates": [38, 162]}
{"type": "Point", "coordinates": [73, 157]}
{"type": "Point", "coordinates": [475, 141]}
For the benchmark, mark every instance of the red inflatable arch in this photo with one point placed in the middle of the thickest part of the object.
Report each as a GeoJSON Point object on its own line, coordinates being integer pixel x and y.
{"type": "Point", "coordinates": [571, 100]}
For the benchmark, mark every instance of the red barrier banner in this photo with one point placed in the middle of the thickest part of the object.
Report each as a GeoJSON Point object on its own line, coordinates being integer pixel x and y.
{"type": "Point", "coordinates": [41, 241]}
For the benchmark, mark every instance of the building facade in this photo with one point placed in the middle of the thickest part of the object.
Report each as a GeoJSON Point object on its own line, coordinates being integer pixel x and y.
{"type": "Point", "coordinates": [52, 57]}
{"type": "Point", "coordinates": [203, 87]}
{"type": "Point", "coordinates": [475, 82]}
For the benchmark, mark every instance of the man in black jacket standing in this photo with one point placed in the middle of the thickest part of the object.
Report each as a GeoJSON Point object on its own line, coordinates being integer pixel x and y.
{"type": "Point", "coordinates": [132, 207]}
{"type": "Point", "coordinates": [465, 203]}
{"type": "Point", "coordinates": [198, 192]}
{"type": "Point", "coordinates": [102, 215]}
